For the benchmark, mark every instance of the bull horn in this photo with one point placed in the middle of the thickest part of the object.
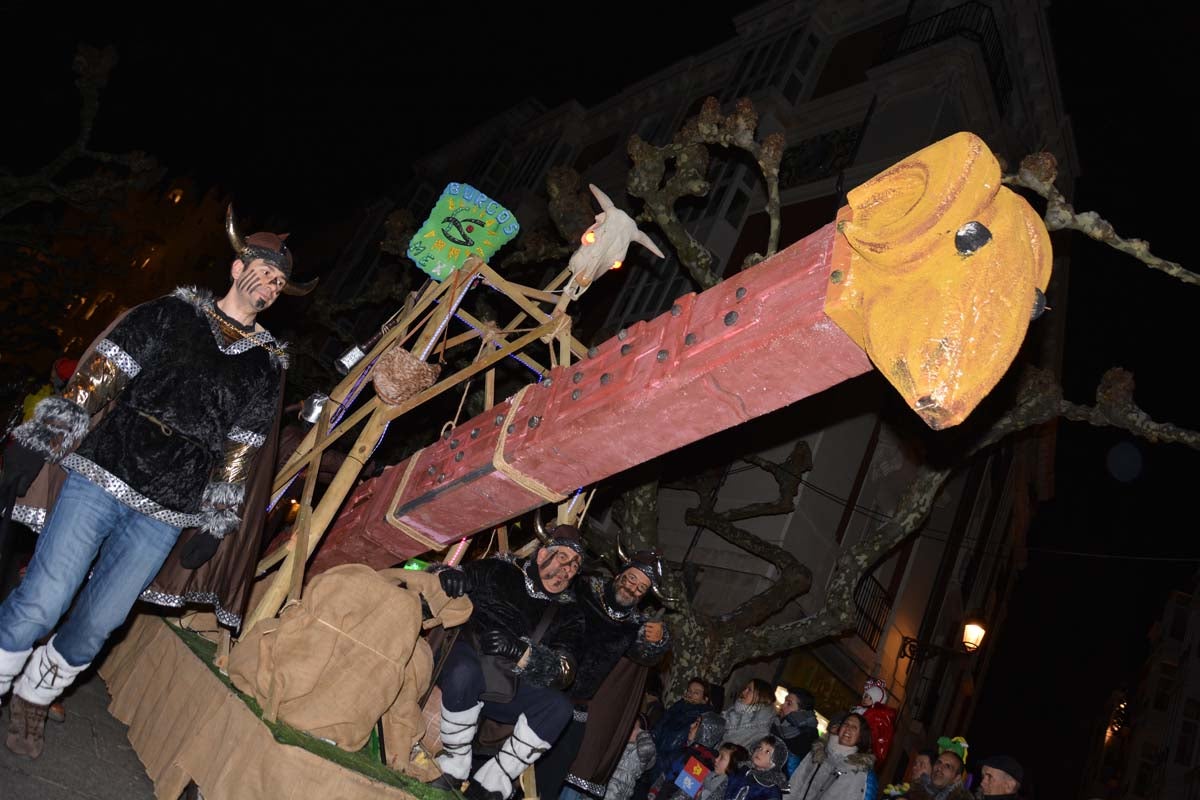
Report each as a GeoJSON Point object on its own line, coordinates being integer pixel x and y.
{"type": "Point", "coordinates": [645, 241]}
{"type": "Point", "coordinates": [601, 197]}
{"type": "Point", "coordinates": [235, 238]}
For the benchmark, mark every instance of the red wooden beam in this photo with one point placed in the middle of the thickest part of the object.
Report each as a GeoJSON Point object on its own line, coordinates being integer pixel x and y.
{"type": "Point", "coordinates": [748, 346]}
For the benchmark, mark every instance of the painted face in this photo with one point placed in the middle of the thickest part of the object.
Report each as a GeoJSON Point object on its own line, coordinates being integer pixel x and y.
{"type": "Point", "coordinates": [849, 732]}
{"type": "Point", "coordinates": [721, 764]}
{"type": "Point", "coordinates": [762, 755]}
{"type": "Point", "coordinates": [631, 586]}
{"type": "Point", "coordinates": [556, 567]}
{"type": "Point", "coordinates": [945, 770]}
{"type": "Point", "coordinates": [258, 283]}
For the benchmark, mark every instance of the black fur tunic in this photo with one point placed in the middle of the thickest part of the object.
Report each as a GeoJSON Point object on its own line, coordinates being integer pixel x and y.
{"type": "Point", "coordinates": [508, 596]}
{"type": "Point", "coordinates": [196, 386]}
{"type": "Point", "coordinates": [612, 632]}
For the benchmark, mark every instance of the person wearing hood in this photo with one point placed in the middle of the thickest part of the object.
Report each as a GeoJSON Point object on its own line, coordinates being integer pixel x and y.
{"type": "Point", "coordinates": [839, 769]}
{"type": "Point", "coordinates": [797, 726]}
{"type": "Point", "coordinates": [704, 737]}
{"type": "Point", "coordinates": [636, 758]}
{"type": "Point", "coordinates": [749, 719]}
{"type": "Point", "coordinates": [763, 777]}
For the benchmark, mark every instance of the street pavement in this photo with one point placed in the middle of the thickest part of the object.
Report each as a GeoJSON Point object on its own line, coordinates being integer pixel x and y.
{"type": "Point", "coordinates": [88, 756]}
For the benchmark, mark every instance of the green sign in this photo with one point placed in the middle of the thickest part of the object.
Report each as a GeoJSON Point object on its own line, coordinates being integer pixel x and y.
{"type": "Point", "coordinates": [464, 222]}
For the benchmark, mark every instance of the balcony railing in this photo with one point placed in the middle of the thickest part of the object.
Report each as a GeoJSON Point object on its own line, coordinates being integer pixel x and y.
{"type": "Point", "coordinates": [874, 603]}
{"type": "Point", "coordinates": [972, 20]}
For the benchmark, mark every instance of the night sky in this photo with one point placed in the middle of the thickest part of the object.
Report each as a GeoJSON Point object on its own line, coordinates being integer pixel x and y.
{"type": "Point", "coordinates": [307, 117]}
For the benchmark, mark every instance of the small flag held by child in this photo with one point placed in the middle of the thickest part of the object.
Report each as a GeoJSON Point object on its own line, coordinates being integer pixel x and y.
{"type": "Point", "coordinates": [691, 777]}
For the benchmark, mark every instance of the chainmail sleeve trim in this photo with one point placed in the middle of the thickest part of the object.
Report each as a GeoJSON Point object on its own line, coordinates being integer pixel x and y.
{"type": "Point", "coordinates": [125, 494]}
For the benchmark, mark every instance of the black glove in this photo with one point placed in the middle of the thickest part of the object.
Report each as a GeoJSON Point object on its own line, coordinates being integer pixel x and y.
{"type": "Point", "coordinates": [455, 582]}
{"type": "Point", "coordinates": [21, 465]}
{"type": "Point", "coordinates": [499, 643]}
{"type": "Point", "coordinates": [199, 549]}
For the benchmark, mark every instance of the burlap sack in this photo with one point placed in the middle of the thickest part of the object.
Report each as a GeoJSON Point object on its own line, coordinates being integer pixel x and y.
{"type": "Point", "coordinates": [347, 654]}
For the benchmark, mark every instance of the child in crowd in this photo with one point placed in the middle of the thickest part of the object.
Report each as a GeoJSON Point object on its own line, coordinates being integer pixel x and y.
{"type": "Point", "coordinates": [763, 777]}
{"type": "Point", "coordinates": [636, 759]}
{"type": "Point", "coordinates": [730, 758]}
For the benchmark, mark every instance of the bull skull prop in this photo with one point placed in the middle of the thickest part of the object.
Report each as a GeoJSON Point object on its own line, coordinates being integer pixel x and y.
{"type": "Point", "coordinates": [603, 245]}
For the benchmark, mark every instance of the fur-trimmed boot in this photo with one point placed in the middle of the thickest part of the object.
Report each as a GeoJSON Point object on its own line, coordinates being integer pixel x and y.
{"type": "Point", "coordinates": [10, 668]}
{"type": "Point", "coordinates": [457, 730]}
{"type": "Point", "coordinates": [45, 677]}
{"type": "Point", "coordinates": [517, 754]}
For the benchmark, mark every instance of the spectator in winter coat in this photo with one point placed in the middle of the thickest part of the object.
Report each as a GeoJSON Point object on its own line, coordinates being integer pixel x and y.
{"type": "Point", "coordinates": [763, 777]}
{"type": "Point", "coordinates": [637, 758]}
{"type": "Point", "coordinates": [797, 726]}
{"type": "Point", "coordinates": [749, 719]}
{"type": "Point", "coordinates": [839, 769]}
{"type": "Point", "coordinates": [670, 734]}
{"type": "Point", "coordinates": [702, 741]}
{"type": "Point", "coordinates": [730, 758]}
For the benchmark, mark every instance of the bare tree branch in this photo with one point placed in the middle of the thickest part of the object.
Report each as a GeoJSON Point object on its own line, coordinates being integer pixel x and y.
{"type": "Point", "coordinates": [92, 66]}
{"type": "Point", "coordinates": [1038, 172]}
{"type": "Point", "coordinates": [690, 156]}
{"type": "Point", "coordinates": [1039, 401]}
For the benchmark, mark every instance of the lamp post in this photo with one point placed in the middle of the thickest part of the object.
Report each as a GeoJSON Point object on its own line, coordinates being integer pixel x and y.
{"type": "Point", "coordinates": [974, 630]}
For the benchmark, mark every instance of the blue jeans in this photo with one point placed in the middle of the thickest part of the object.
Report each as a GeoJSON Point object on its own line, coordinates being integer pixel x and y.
{"type": "Point", "coordinates": [85, 521]}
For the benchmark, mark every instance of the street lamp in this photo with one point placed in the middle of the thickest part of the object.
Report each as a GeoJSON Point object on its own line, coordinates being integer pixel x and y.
{"type": "Point", "coordinates": [974, 630]}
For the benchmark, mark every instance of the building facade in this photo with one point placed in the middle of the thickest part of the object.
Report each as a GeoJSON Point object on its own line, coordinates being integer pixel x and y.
{"type": "Point", "coordinates": [1145, 744]}
{"type": "Point", "coordinates": [854, 86]}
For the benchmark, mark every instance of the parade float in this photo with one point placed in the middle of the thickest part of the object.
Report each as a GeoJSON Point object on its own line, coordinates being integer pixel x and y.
{"type": "Point", "coordinates": [930, 274]}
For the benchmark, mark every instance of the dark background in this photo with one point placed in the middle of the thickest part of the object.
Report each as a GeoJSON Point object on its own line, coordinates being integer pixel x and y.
{"type": "Point", "coordinates": [306, 115]}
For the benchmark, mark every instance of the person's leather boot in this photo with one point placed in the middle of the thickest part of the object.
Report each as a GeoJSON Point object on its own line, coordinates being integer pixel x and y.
{"type": "Point", "coordinates": [26, 727]}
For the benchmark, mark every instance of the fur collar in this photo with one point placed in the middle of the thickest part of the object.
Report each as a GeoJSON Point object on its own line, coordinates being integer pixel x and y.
{"type": "Point", "coordinates": [202, 299]}
{"type": "Point", "coordinates": [858, 762]}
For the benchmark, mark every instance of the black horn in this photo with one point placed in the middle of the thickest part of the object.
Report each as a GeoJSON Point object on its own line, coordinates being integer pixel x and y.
{"type": "Point", "coordinates": [235, 238]}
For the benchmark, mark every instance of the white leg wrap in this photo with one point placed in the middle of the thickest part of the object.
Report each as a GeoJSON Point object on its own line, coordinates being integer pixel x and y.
{"type": "Point", "coordinates": [458, 731]}
{"type": "Point", "coordinates": [517, 753]}
{"type": "Point", "coordinates": [46, 676]}
{"type": "Point", "coordinates": [10, 668]}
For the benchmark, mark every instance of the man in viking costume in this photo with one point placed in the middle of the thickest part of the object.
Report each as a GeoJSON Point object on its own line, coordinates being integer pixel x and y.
{"type": "Point", "coordinates": [156, 432]}
{"type": "Point", "coordinates": [621, 643]}
{"type": "Point", "coordinates": [517, 654]}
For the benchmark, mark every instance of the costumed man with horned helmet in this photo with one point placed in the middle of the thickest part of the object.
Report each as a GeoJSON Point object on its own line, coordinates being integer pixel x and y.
{"type": "Point", "coordinates": [160, 429]}
{"type": "Point", "coordinates": [517, 653]}
{"type": "Point", "coordinates": [621, 643]}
